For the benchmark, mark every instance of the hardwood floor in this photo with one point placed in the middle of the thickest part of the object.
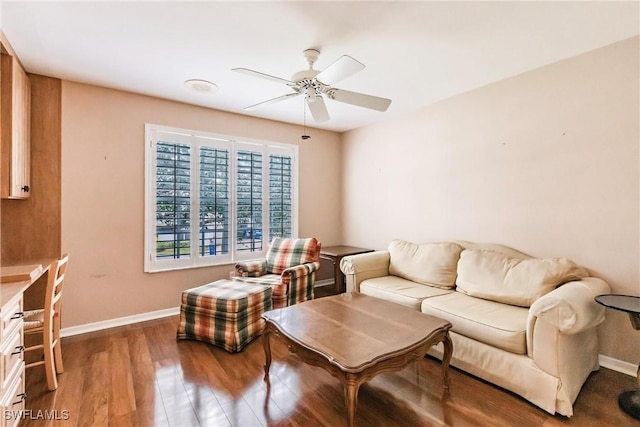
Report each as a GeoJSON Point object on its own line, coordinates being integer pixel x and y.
{"type": "Point", "coordinates": [140, 375]}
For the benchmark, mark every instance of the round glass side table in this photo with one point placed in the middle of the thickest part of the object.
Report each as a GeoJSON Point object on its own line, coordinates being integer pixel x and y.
{"type": "Point", "coordinates": [629, 401]}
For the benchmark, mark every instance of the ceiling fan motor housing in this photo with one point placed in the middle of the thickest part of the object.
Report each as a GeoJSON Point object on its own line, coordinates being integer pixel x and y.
{"type": "Point", "coordinates": [306, 83]}
{"type": "Point", "coordinates": [304, 75]}
{"type": "Point", "coordinates": [305, 80]}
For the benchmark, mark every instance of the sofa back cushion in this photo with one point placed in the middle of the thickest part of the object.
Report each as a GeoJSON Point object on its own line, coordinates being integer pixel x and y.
{"type": "Point", "coordinates": [499, 277]}
{"type": "Point", "coordinates": [429, 264]}
{"type": "Point", "coordinates": [513, 253]}
{"type": "Point", "coordinates": [284, 253]}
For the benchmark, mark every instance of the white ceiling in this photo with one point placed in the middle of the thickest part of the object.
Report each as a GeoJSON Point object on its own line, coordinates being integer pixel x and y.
{"type": "Point", "coordinates": [415, 52]}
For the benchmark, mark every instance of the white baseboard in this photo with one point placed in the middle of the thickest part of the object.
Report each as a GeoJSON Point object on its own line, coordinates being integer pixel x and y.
{"type": "Point", "coordinates": [120, 321]}
{"type": "Point", "coordinates": [605, 361]}
{"type": "Point", "coordinates": [618, 365]}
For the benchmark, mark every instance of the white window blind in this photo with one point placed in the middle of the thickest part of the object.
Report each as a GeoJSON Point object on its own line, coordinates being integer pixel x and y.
{"type": "Point", "coordinates": [249, 201]}
{"type": "Point", "coordinates": [173, 200]}
{"type": "Point", "coordinates": [280, 195]}
{"type": "Point", "coordinates": [214, 202]}
{"type": "Point", "coordinates": [206, 197]}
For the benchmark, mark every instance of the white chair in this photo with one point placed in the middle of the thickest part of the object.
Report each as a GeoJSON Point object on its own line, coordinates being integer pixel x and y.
{"type": "Point", "coordinates": [46, 323]}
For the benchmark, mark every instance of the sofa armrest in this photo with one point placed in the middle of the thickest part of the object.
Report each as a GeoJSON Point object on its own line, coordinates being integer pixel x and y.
{"type": "Point", "coordinates": [357, 268]}
{"type": "Point", "coordinates": [251, 268]}
{"type": "Point", "coordinates": [300, 270]}
{"type": "Point", "coordinates": [571, 308]}
{"type": "Point", "coordinates": [561, 332]}
{"type": "Point", "coordinates": [299, 282]}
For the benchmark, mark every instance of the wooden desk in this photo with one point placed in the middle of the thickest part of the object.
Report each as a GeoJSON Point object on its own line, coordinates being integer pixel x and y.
{"type": "Point", "coordinates": [12, 396]}
{"type": "Point", "coordinates": [10, 288]}
{"type": "Point", "coordinates": [335, 254]}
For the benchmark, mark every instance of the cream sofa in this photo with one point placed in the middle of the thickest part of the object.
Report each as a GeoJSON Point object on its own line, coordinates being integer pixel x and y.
{"type": "Point", "coordinates": [522, 323]}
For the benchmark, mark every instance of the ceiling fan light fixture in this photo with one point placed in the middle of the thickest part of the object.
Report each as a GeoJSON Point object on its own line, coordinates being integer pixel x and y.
{"type": "Point", "coordinates": [201, 86]}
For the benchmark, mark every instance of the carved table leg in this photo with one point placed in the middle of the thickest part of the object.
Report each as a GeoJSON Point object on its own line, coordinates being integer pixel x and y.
{"type": "Point", "coordinates": [446, 359]}
{"type": "Point", "coordinates": [351, 397]}
{"type": "Point", "coordinates": [267, 352]}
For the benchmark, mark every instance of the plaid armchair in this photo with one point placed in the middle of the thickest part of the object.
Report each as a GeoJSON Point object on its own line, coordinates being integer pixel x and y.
{"type": "Point", "coordinates": [290, 269]}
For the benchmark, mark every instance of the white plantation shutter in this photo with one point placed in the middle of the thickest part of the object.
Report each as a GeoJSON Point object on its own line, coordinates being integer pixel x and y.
{"type": "Point", "coordinates": [215, 219]}
{"type": "Point", "coordinates": [211, 199]}
{"type": "Point", "coordinates": [173, 200]}
{"type": "Point", "coordinates": [249, 201]}
{"type": "Point", "coordinates": [280, 195]}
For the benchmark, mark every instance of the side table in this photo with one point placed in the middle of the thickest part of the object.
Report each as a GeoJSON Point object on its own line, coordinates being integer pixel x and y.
{"type": "Point", "coordinates": [335, 254]}
{"type": "Point", "coordinates": [629, 401]}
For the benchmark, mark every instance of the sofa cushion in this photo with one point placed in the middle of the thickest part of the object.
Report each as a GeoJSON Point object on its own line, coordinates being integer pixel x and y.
{"type": "Point", "coordinates": [513, 253]}
{"type": "Point", "coordinates": [496, 324]}
{"type": "Point", "coordinates": [429, 264]}
{"type": "Point", "coordinates": [399, 290]}
{"type": "Point", "coordinates": [273, 280]}
{"type": "Point", "coordinates": [498, 277]}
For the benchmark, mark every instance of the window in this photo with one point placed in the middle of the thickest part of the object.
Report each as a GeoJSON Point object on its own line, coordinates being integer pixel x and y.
{"type": "Point", "coordinates": [212, 199]}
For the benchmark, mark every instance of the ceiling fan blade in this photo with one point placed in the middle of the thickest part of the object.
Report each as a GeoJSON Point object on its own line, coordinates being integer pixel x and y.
{"type": "Point", "coordinates": [318, 109]}
{"type": "Point", "coordinates": [272, 101]}
{"type": "Point", "coordinates": [359, 99]}
{"type": "Point", "coordinates": [339, 70]}
{"type": "Point", "coordinates": [262, 76]}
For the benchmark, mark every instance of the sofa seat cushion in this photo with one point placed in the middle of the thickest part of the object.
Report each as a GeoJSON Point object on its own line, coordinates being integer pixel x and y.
{"type": "Point", "coordinates": [273, 280]}
{"type": "Point", "coordinates": [496, 324]}
{"type": "Point", "coordinates": [399, 290]}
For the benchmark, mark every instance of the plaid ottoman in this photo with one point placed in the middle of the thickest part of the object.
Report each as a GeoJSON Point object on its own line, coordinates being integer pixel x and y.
{"type": "Point", "coordinates": [224, 313]}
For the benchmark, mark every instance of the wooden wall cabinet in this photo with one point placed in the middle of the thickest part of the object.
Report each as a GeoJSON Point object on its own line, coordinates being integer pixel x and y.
{"type": "Point", "coordinates": [15, 125]}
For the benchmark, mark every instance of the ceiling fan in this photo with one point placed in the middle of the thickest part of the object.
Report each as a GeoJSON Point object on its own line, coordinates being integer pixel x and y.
{"type": "Point", "coordinates": [314, 84]}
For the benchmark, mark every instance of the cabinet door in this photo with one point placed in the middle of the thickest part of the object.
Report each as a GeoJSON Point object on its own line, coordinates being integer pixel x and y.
{"type": "Point", "coordinates": [12, 396]}
{"type": "Point", "coordinates": [15, 114]}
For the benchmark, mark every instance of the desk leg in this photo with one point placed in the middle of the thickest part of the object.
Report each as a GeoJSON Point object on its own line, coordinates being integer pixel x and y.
{"type": "Point", "coordinates": [266, 343]}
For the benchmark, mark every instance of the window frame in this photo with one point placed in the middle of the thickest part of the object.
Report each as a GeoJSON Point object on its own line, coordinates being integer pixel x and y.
{"type": "Point", "coordinates": [197, 139]}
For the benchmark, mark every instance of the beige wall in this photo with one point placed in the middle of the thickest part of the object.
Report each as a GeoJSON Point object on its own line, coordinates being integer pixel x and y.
{"type": "Point", "coordinates": [103, 196]}
{"type": "Point", "coordinates": [546, 162]}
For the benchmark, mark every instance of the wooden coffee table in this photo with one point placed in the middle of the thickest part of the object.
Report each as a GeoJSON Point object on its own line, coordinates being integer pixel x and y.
{"type": "Point", "coordinates": [355, 337]}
